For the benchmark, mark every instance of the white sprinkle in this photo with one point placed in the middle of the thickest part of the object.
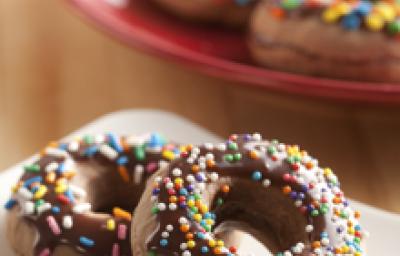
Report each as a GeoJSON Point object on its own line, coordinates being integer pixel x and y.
{"type": "Point", "coordinates": [43, 208]}
{"type": "Point", "coordinates": [67, 222]}
{"type": "Point", "coordinates": [29, 208]}
{"type": "Point", "coordinates": [183, 246]}
{"type": "Point", "coordinates": [172, 206]}
{"type": "Point", "coordinates": [183, 220]}
{"type": "Point", "coordinates": [165, 234]}
{"type": "Point", "coordinates": [108, 152]}
{"type": "Point", "coordinates": [214, 176]}
{"type": "Point", "coordinates": [161, 206]}
{"type": "Point", "coordinates": [221, 147]}
{"type": "Point", "coordinates": [190, 178]}
{"type": "Point", "coordinates": [257, 137]}
{"type": "Point", "coordinates": [177, 172]}
{"type": "Point", "coordinates": [51, 167]}
{"type": "Point", "coordinates": [81, 208]}
{"type": "Point", "coordinates": [73, 146]}
{"type": "Point", "coordinates": [309, 228]}
{"type": "Point", "coordinates": [56, 152]}
{"type": "Point", "coordinates": [169, 228]}
{"type": "Point", "coordinates": [208, 146]}
{"type": "Point", "coordinates": [266, 183]}
{"type": "Point", "coordinates": [99, 138]}
{"type": "Point", "coordinates": [25, 194]}
{"type": "Point", "coordinates": [139, 169]}
{"type": "Point", "coordinates": [186, 253]}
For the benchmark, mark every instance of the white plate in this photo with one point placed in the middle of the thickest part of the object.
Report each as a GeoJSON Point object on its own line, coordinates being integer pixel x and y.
{"type": "Point", "coordinates": [384, 227]}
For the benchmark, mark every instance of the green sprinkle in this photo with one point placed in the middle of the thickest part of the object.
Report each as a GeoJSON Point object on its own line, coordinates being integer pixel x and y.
{"type": "Point", "coordinates": [290, 4]}
{"type": "Point", "coordinates": [228, 157]}
{"type": "Point", "coordinates": [220, 201]}
{"type": "Point", "coordinates": [140, 153]}
{"type": "Point", "coordinates": [237, 156]}
{"type": "Point", "coordinates": [88, 139]}
{"type": "Point", "coordinates": [38, 203]}
{"type": "Point", "coordinates": [154, 210]}
{"type": "Point", "coordinates": [233, 146]}
{"type": "Point", "coordinates": [151, 253]}
{"type": "Point", "coordinates": [314, 213]}
{"type": "Point", "coordinates": [271, 150]}
{"type": "Point", "coordinates": [32, 168]}
{"type": "Point", "coordinates": [394, 27]}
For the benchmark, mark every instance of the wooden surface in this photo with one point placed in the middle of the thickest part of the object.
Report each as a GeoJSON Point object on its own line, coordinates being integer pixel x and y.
{"type": "Point", "coordinates": [57, 72]}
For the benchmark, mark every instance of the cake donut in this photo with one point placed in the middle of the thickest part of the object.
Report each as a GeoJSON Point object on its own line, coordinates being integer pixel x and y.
{"type": "Point", "coordinates": [341, 39]}
{"type": "Point", "coordinates": [229, 12]}
{"type": "Point", "coordinates": [77, 197]}
{"type": "Point", "coordinates": [277, 191]}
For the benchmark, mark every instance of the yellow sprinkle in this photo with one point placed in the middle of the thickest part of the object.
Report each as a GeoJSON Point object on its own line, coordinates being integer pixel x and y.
{"type": "Point", "coordinates": [69, 174]}
{"type": "Point", "coordinates": [387, 12]}
{"type": "Point", "coordinates": [111, 225]}
{"type": "Point", "coordinates": [40, 192]}
{"type": "Point", "coordinates": [51, 177]}
{"type": "Point", "coordinates": [197, 217]}
{"type": "Point", "coordinates": [169, 155]}
{"type": "Point", "coordinates": [191, 244]}
{"type": "Point", "coordinates": [342, 8]}
{"type": "Point", "coordinates": [327, 171]}
{"type": "Point", "coordinates": [60, 189]}
{"type": "Point", "coordinates": [220, 243]}
{"type": "Point", "coordinates": [118, 212]}
{"type": "Point", "coordinates": [211, 243]}
{"type": "Point", "coordinates": [374, 22]}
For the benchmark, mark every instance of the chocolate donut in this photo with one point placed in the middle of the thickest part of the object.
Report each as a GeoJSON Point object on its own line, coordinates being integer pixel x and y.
{"type": "Point", "coordinates": [228, 12]}
{"type": "Point", "coordinates": [71, 200]}
{"type": "Point", "coordinates": [352, 40]}
{"type": "Point", "coordinates": [278, 191]}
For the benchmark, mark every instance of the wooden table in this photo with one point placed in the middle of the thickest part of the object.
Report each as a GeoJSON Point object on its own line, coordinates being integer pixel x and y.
{"type": "Point", "coordinates": [57, 73]}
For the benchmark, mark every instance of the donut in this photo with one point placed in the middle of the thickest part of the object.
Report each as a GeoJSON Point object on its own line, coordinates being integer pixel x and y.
{"type": "Point", "coordinates": [233, 13]}
{"type": "Point", "coordinates": [78, 196]}
{"type": "Point", "coordinates": [352, 40]}
{"type": "Point", "coordinates": [277, 192]}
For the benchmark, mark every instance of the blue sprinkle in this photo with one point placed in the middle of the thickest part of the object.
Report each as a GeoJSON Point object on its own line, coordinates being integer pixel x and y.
{"type": "Point", "coordinates": [256, 176]}
{"type": "Point", "coordinates": [114, 143]}
{"type": "Point", "coordinates": [86, 241]}
{"type": "Point", "coordinates": [56, 209]}
{"type": "Point", "coordinates": [70, 195]}
{"type": "Point", "coordinates": [123, 160]}
{"type": "Point", "coordinates": [163, 242]}
{"type": "Point", "coordinates": [363, 8]}
{"type": "Point", "coordinates": [204, 249]}
{"type": "Point", "coordinates": [351, 22]}
{"type": "Point", "coordinates": [91, 151]}
{"type": "Point", "coordinates": [63, 146]}
{"type": "Point", "coordinates": [156, 141]}
{"type": "Point", "coordinates": [61, 168]}
{"type": "Point", "coordinates": [10, 204]}
{"type": "Point", "coordinates": [32, 180]}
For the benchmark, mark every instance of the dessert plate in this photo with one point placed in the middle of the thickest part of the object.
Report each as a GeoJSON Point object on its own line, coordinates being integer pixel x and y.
{"type": "Point", "coordinates": [216, 51]}
{"type": "Point", "coordinates": [384, 227]}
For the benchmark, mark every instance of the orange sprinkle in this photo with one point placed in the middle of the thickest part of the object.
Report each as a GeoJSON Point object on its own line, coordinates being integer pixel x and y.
{"type": "Point", "coordinates": [357, 214]}
{"type": "Point", "coordinates": [123, 172]}
{"type": "Point", "coordinates": [119, 213]}
{"type": "Point", "coordinates": [184, 228]}
{"type": "Point", "coordinates": [51, 177]}
{"type": "Point", "coordinates": [189, 236]}
{"type": "Point", "coordinates": [195, 168]}
{"type": "Point", "coordinates": [253, 154]}
{"type": "Point", "coordinates": [278, 13]}
{"type": "Point", "coordinates": [225, 188]}
{"type": "Point", "coordinates": [286, 190]}
{"type": "Point", "coordinates": [316, 244]}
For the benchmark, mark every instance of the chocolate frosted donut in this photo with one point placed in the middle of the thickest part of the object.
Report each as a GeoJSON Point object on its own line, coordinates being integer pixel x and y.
{"type": "Point", "coordinates": [229, 12]}
{"type": "Point", "coordinates": [278, 191]}
{"type": "Point", "coordinates": [70, 201]}
{"type": "Point", "coordinates": [353, 40]}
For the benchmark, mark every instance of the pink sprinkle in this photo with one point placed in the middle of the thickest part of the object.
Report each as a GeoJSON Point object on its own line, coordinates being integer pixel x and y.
{"type": "Point", "coordinates": [55, 228]}
{"type": "Point", "coordinates": [115, 250]}
{"type": "Point", "coordinates": [45, 252]}
{"type": "Point", "coordinates": [151, 167]}
{"type": "Point", "coordinates": [122, 231]}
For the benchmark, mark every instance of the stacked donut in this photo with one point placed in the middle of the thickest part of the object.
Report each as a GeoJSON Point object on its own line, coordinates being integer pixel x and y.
{"type": "Point", "coordinates": [78, 198]}
{"type": "Point", "coordinates": [344, 39]}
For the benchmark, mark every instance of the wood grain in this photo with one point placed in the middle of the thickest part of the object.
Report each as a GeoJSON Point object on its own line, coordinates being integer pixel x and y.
{"type": "Point", "coordinates": [57, 72]}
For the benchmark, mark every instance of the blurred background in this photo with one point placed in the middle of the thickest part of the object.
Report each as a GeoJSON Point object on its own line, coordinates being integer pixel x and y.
{"type": "Point", "coordinates": [58, 72]}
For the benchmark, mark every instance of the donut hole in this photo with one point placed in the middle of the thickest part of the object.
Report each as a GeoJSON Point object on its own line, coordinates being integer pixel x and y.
{"type": "Point", "coordinates": [264, 214]}
{"type": "Point", "coordinates": [106, 189]}
{"type": "Point", "coordinates": [239, 235]}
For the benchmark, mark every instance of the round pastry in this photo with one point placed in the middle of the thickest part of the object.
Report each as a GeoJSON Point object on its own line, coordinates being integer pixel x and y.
{"type": "Point", "coordinates": [353, 40]}
{"type": "Point", "coordinates": [71, 200]}
{"type": "Point", "coordinates": [229, 12]}
{"type": "Point", "coordinates": [276, 192]}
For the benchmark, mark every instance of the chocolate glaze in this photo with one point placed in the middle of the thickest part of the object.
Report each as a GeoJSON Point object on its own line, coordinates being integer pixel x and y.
{"type": "Point", "coordinates": [266, 210]}
{"type": "Point", "coordinates": [115, 193]}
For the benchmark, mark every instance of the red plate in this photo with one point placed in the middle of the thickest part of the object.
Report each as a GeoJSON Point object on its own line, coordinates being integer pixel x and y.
{"type": "Point", "coordinates": [218, 52]}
